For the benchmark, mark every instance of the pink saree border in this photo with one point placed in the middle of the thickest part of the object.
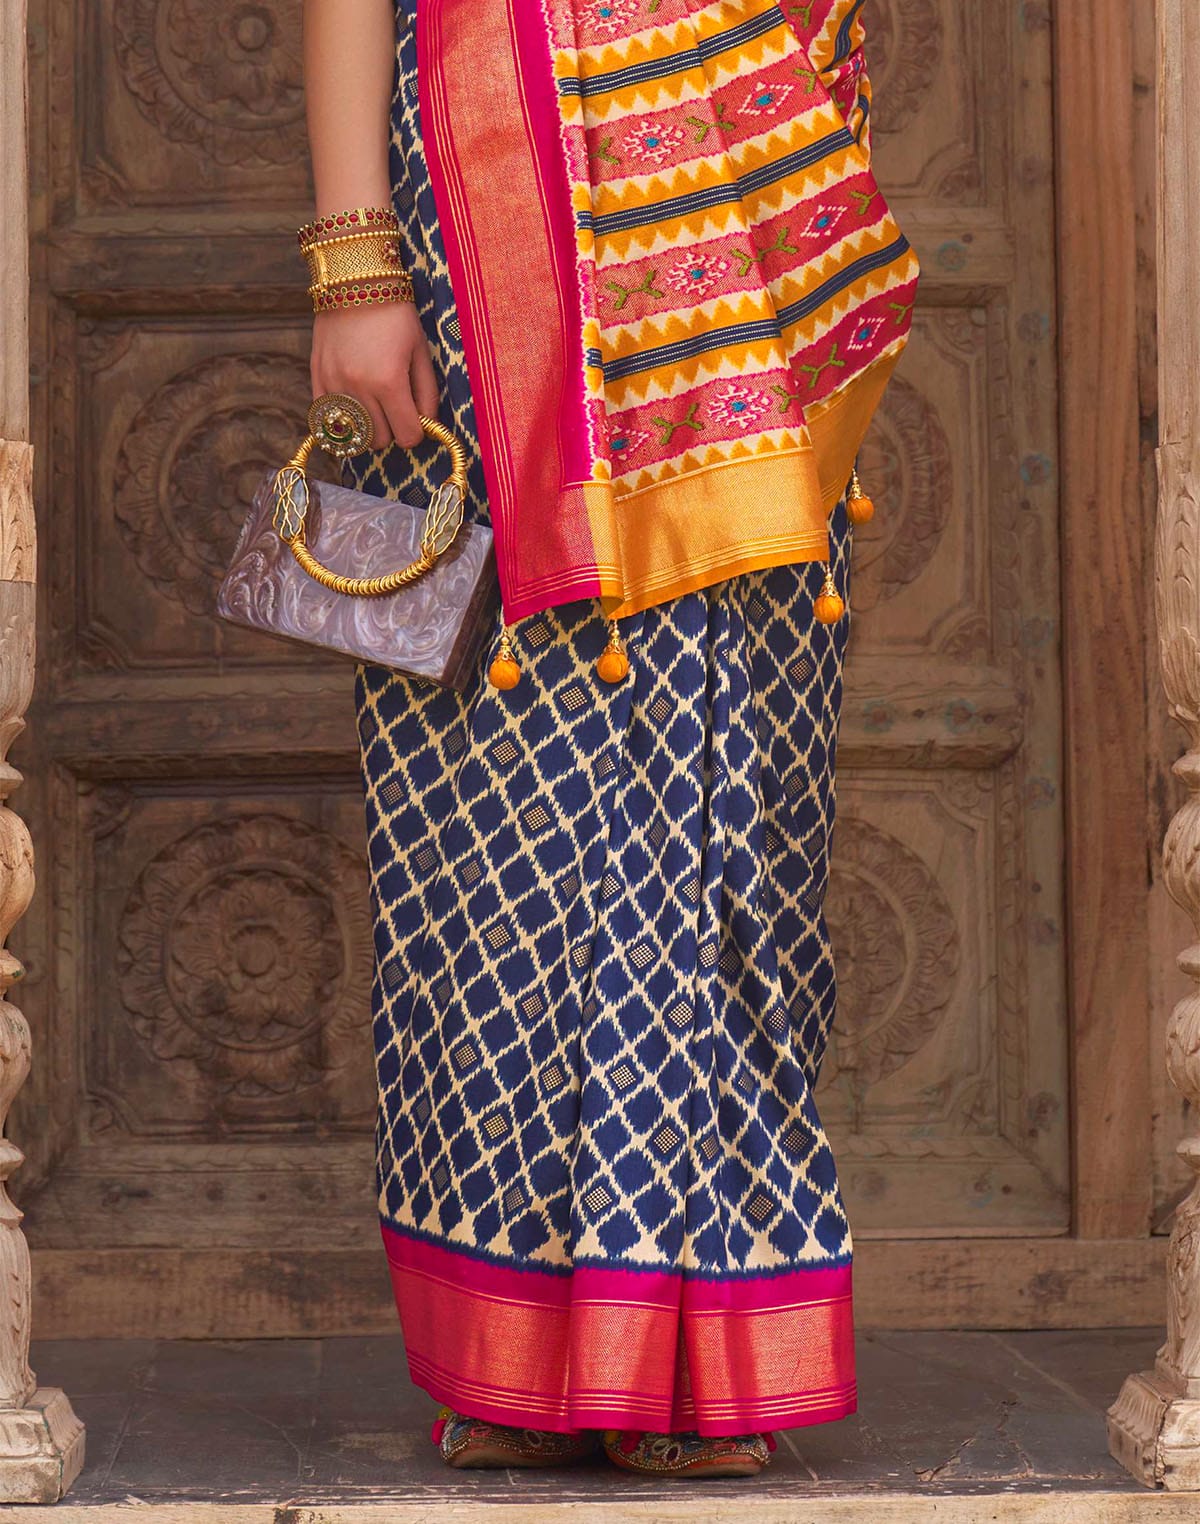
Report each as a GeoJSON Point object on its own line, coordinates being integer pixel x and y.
{"type": "Point", "coordinates": [576, 436]}
{"type": "Point", "coordinates": [500, 182]}
{"type": "Point", "coordinates": [598, 1348]}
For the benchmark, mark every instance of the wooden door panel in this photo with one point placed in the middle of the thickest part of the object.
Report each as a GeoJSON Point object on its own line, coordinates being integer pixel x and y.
{"type": "Point", "coordinates": [180, 422]}
{"type": "Point", "coordinates": [921, 573]}
{"type": "Point", "coordinates": [925, 60]}
{"type": "Point", "coordinates": [937, 1090]}
{"type": "Point", "coordinates": [191, 109]}
{"type": "Point", "coordinates": [199, 947]}
{"type": "Point", "coordinates": [237, 925]}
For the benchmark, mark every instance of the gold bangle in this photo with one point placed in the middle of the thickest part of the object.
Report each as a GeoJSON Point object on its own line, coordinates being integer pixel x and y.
{"type": "Point", "coordinates": [388, 275]}
{"type": "Point", "coordinates": [359, 217]}
{"type": "Point", "coordinates": [362, 256]}
{"type": "Point", "coordinates": [375, 236]}
{"type": "Point", "coordinates": [338, 298]}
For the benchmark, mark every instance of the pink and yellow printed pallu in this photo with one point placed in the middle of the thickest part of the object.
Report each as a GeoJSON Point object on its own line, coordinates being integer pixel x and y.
{"type": "Point", "coordinates": [681, 291]}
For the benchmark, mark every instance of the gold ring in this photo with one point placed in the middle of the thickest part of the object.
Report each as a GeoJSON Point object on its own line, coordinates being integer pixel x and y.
{"type": "Point", "coordinates": [341, 425]}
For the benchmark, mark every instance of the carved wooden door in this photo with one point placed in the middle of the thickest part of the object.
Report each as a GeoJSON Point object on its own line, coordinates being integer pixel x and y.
{"type": "Point", "coordinates": [199, 950]}
{"type": "Point", "coordinates": [946, 1089]}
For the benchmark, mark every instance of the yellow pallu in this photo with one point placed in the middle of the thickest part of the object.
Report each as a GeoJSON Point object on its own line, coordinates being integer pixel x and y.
{"type": "Point", "coordinates": [681, 291]}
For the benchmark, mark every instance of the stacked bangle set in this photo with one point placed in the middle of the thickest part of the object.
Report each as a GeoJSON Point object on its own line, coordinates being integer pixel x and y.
{"type": "Point", "coordinates": [354, 259]}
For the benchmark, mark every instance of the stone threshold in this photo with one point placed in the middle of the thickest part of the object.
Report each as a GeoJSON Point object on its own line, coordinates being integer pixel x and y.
{"type": "Point", "coordinates": [684, 1504]}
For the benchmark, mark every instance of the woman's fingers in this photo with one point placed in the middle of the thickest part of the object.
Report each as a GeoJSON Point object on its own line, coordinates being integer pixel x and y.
{"type": "Point", "coordinates": [381, 432]}
{"type": "Point", "coordinates": [403, 418]}
{"type": "Point", "coordinates": [424, 382]}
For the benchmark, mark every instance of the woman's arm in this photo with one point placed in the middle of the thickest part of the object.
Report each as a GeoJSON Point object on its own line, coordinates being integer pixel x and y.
{"type": "Point", "coordinates": [377, 353]}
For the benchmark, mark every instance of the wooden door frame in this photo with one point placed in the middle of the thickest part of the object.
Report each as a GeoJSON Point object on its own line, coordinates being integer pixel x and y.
{"type": "Point", "coordinates": [41, 1440]}
{"type": "Point", "coordinates": [1105, 560]}
{"type": "Point", "coordinates": [1154, 1424]}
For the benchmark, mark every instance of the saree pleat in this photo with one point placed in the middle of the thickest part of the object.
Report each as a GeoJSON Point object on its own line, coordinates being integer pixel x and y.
{"type": "Point", "coordinates": [604, 986]}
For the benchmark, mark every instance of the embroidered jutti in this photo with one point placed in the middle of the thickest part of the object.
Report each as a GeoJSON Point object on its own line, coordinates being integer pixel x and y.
{"type": "Point", "coordinates": [604, 983]}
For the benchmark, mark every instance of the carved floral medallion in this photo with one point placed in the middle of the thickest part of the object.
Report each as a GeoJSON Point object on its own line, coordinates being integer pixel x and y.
{"type": "Point", "coordinates": [904, 48]}
{"type": "Point", "coordinates": [191, 460]}
{"type": "Point", "coordinates": [907, 467]}
{"type": "Point", "coordinates": [244, 949]}
{"type": "Point", "coordinates": [225, 79]}
{"type": "Point", "coordinates": [897, 951]}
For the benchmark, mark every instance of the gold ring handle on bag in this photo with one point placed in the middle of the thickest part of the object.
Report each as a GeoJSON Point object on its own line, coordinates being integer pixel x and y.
{"type": "Point", "coordinates": [341, 426]}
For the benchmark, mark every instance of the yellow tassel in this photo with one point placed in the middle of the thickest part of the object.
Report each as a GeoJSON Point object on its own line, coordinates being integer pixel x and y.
{"type": "Point", "coordinates": [829, 605]}
{"type": "Point", "coordinates": [505, 671]}
{"type": "Point", "coordinates": [859, 507]}
{"type": "Point", "coordinates": [613, 663]}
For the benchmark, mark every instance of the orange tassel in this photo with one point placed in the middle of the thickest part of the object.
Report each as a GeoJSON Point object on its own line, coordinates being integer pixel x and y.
{"type": "Point", "coordinates": [829, 605]}
{"type": "Point", "coordinates": [613, 662]}
{"type": "Point", "coordinates": [505, 671]}
{"type": "Point", "coordinates": [859, 507]}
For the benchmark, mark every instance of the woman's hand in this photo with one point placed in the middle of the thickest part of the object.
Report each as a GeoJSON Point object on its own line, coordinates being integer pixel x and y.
{"type": "Point", "coordinates": [378, 354]}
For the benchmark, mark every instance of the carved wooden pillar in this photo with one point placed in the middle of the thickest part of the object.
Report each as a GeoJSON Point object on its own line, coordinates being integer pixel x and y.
{"type": "Point", "coordinates": [1154, 1426]}
{"type": "Point", "coordinates": [41, 1440]}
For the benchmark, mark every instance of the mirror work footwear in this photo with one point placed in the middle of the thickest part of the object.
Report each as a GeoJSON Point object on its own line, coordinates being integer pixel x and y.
{"type": "Point", "coordinates": [689, 1456]}
{"type": "Point", "coordinates": [471, 1444]}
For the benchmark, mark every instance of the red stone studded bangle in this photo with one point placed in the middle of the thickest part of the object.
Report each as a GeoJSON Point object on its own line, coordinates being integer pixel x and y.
{"type": "Point", "coordinates": [335, 299]}
{"type": "Point", "coordinates": [373, 218]}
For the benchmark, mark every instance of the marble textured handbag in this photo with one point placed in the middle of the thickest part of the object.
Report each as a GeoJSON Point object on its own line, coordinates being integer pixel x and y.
{"type": "Point", "coordinates": [377, 580]}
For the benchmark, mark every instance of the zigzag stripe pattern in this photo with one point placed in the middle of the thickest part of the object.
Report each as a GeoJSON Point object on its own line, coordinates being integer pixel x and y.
{"type": "Point", "coordinates": [737, 263]}
{"type": "Point", "coordinates": [717, 195]}
{"type": "Point", "coordinates": [746, 333]}
{"type": "Point", "coordinates": [672, 63]}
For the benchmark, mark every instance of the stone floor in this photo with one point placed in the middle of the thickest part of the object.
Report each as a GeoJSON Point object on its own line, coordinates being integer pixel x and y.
{"type": "Point", "coordinates": [961, 1426]}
